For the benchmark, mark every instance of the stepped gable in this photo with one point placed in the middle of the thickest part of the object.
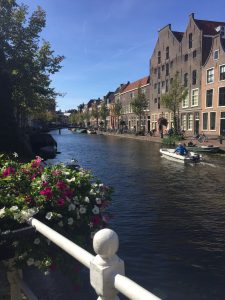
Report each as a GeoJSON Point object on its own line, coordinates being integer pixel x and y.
{"type": "Point", "coordinates": [208, 27]}
{"type": "Point", "coordinates": [137, 83]}
{"type": "Point", "coordinates": [178, 35]}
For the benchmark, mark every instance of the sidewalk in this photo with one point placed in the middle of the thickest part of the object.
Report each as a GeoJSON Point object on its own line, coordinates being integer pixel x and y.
{"type": "Point", "coordinates": [157, 139]}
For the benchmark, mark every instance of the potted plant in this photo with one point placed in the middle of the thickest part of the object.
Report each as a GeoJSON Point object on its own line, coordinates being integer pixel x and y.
{"type": "Point", "coordinates": [69, 200]}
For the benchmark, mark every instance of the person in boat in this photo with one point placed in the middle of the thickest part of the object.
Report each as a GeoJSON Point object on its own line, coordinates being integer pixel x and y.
{"type": "Point", "coordinates": [181, 149]}
{"type": "Point", "coordinates": [190, 144]}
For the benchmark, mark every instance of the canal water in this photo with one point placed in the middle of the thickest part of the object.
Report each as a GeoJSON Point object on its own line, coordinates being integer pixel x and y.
{"type": "Point", "coordinates": [170, 217]}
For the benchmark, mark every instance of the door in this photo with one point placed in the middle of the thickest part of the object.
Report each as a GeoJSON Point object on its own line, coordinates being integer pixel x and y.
{"type": "Point", "coordinates": [196, 126]}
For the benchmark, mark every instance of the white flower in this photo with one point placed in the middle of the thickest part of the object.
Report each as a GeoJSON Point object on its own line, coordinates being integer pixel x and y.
{"type": "Point", "coordinates": [82, 209]}
{"type": "Point", "coordinates": [27, 214]}
{"type": "Point", "coordinates": [15, 243]}
{"type": "Point", "coordinates": [30, 261]}
{"type": "Point", "coordinates": [71, 207]}
{"type": "Point", "coordinates": [37, 263]}
{"type": "Point", "coordinates": [101, 185]}
{"type": "Point", "coordinates": [2, 212]}
{"type": "Point", "coordinates": [46, 273]}
{"type": "Point", "coordinates": [76, 200]}
{"type": "Point", "coordinates": [98, 200]}
{"type": "Point", "coordinates": [95, 210]}
{"type": "Point", "coordinates": [15, 154]}
{"type": "Point", "coordinates": [49, 215]}
{"type": "Point", "coordinates": [37, 241]}
{"type": "Point", "coordinates": [44, 177]}
{"type": "Point", "coordinates": [71, 180]}
{"type": "Point", "coordinates": [70, 221]}
{"type": "Point", "coordinates": [60, 224]}
{"type": "Point", "coordinates": [86, 199]}
{"type": "Point", "coordinates": [16, 216]}
{"type": "Point", "coordinates": [13, 208]}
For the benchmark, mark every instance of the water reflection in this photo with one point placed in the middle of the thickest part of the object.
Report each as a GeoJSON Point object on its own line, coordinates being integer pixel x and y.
{"type": "Point", "coordinates": [170, 217]}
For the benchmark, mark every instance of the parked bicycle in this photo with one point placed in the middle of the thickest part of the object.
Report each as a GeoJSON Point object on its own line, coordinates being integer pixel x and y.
{"type": "Point", "coordinates": [201, 138]}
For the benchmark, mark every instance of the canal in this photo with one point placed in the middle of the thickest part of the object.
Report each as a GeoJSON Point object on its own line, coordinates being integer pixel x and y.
{"type": "Point", "coordinates": [170, 218]}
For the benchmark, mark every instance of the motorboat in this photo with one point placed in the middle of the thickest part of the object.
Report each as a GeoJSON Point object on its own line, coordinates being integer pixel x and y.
{"type": "Point", "coordinates": [191, 157]}
{"type": "Point", "coordinates": [203, 148]}
{"type": "Point", "coordinates": [91, 131]}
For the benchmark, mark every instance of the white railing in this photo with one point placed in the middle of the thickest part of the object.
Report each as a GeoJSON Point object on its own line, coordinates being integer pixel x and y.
{"type": "Point", "coordinates": [106, 268]}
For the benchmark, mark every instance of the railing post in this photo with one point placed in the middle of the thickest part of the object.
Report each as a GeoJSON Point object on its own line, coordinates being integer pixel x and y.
{"type": "Point", "coordinates": [106, 264]}
{"type": "Point", "coordinates": [14, 277]}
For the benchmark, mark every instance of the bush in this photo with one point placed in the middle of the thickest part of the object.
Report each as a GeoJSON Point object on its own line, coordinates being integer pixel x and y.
{"type": "Point", "coordinates": [69, 201]}
{"type": "Point", "coordinates": [171, 140]}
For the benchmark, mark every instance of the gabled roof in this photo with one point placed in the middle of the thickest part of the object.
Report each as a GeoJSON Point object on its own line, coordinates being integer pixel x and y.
{"type": "Point", "coordinates": [121, 87]}
{"type": "Point", "coordinates": [137, 83]}
{"type": "Point", "coordinates": [178, 35]}
{"type": "Point", "coordinates": [208, 27]}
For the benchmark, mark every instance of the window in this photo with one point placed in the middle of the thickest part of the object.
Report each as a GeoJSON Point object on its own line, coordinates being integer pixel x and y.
{"type": "Point", "coordinates": [155, 86]}
{"type": "Point", "coordinates": [216, 54]}
{"type": "Point", "coordinates": [205, 121]}
{"type": "Point", "coordinates": [222, 72]}
{"type": "Point", "coordinates": [209, 98]}
{"type": "Point", "coordinates": [167, 69]}
{"type": "Point", "coordinates": [210, 75]}
{"type": "Point", "coordinates": [186, 79]}
{"type": "Point", "coordinates": [155, 71]}
{"type": "Point", "coordinates": [159, 57]}
{"type": "Point", "coordinates": [186, 57]}
{"type": "Point", "coordinates": [163, 83]}
{"type": "Point", "coordinates": [171, 80]}
{"type": "Point", "coordinates": [163, 67]}
{"type": "Point", "coordinates": [158, 103]}
{"type": "Point", "coordinates": [212, 121]}
{"type": "Point", "coordinates": [155, 100]}
{"type": "Point", "coordinates": [185, 101]}
{"type": "Point", "coordinates": [190, 122]}
{"type": "Point", "coordinates": [222, 96]}
{"type": "Point", "coordinates": [194, 53]}
{"type": "Point", "coordinates": [190, 40]}
{"type": "Point", "coordinates": [194, 77]}
{"type": "Point", "coordinates": [159, 73]}
{"type": "Point", "coordinates": [166, 85]}
{"type": "Point", "coordinates": [194, 99]}
{"type": "Point", "coordinates": [159, 88]}
{"type": "Point", "coordinates": [167, 53]}
{"type": "Point", "coordinates": [184, 122]}
{"type": "Point", "coordinates": [171, 64]}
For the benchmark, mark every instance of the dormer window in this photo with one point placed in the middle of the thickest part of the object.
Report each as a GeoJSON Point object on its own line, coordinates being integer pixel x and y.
{"type": "Point", "coordinates": [190, 40]}
{"type": "Point", "coordinates": [216, 54]}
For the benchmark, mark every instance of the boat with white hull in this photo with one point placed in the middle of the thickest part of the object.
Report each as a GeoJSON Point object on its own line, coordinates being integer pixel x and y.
{"type": "Point", "coordinates": [172, 155]}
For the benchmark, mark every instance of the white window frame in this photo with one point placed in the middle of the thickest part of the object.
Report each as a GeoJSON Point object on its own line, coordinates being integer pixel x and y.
{"type": "Point", "coordinates": [190, 122]}
{"type": "Point", "coordinates": [217, 50]}
{"type": "Point", "coordinates": [192, 105]}
{"type": "Point", "coordinates": [223, 65]}
{"type": "Point", "coordinates": [210, 121]}
{"type": "Point", "coordinates": [207, 125]}
{"type": "Point", "coordinates": [207, 107]}
{"type": "Point", "coordinates": [219, 96]}
{"type": "Point", "coordinates": [185, 102]}
{"type": "Point", "coordinates": [207, 75]}
{"type": "Point", "coordinates": [184, 121]}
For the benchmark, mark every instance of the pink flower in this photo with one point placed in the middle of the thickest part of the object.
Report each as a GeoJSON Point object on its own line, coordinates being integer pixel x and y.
{"type": "Point", "coordinates": [61, 201]}
{"type": "Point", "coordinates": [8, 171]}
{"type": "Point", "coordinates": [61, 185]}
{"type": "Point", "coordinates": [44, 183]}
{"type": "Point", "coordinates": [33, 176]}
{"type": "Point", "coordinates": [47, 192]}
{"type": "Point", "coordinates": [37, 162]}
{"type": "Point", "coordinates": [95, 220]}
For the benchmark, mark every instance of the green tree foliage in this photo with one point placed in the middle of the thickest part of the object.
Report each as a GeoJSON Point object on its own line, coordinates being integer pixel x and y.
{"type": "Point", "coordinates": [117, 111]}
{"type": "Point", "coordinates": [172, 100]}
{"type": "Point", "coordinates": [139, 105]}
{"type": "Point", "coordinates": [104, 113]}
{"type": "Point", "coordinates": [29, 64]}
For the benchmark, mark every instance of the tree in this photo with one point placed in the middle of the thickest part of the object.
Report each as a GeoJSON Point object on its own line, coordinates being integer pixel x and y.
{"type": "Point", "coordinates": [171, 100]}
{"type": "Point", "coordinates": [117, 110]}
{"type": "Point", "coordinates": [87, 117]}
{"type": "Point", "coordinates": [104, 112]}
{"type": "Point", "coordinates": [139, 104]}
{"type": "Point", "coordinates": [28, 63]}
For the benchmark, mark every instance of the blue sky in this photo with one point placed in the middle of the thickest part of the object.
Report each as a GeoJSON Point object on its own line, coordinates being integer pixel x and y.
{"type": "Point", "coordinates": [108, 42]}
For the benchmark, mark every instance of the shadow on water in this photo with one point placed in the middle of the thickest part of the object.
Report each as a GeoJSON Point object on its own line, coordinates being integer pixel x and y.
{"type": "Point", "coordinates": [170, 217]}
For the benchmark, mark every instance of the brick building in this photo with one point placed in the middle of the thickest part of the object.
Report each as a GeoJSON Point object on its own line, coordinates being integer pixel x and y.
{"type": "Point", "coordinates": [213, 87]}
{"type": "Point", "coordinates": [185, 53]}
{"type": "Point", "coordinates": [126, 97]}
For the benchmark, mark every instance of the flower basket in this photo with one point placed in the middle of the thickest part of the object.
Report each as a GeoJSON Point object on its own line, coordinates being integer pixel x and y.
{"type": "Point", "coordinates": [69, 200]}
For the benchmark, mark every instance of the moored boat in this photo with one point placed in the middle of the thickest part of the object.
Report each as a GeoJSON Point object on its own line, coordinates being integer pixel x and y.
{"type": "Point", "coordinates": [171, 155]}
{"type": "Point", "coordinates": [203, 148]}
{"type": "Point", "coordinates": [91, 131]}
